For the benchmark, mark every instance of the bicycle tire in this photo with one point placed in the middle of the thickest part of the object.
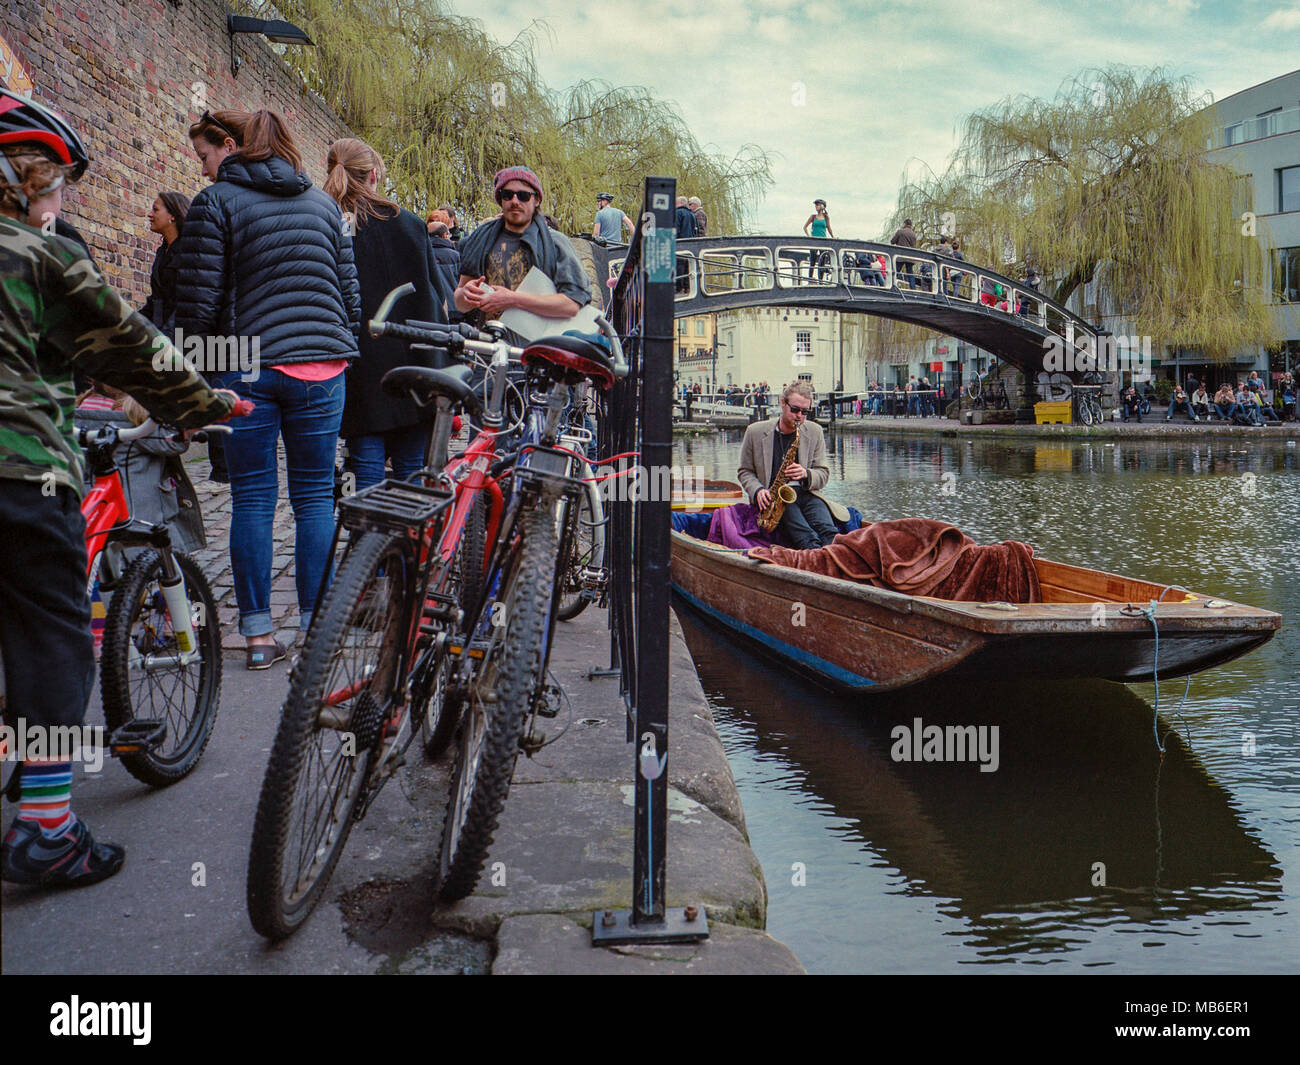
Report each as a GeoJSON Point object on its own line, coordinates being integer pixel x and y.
{"type": "Point", "coordinates": [489, 732]}
{"type": "Point", "coordinates": [365, 602]}
{"type": "Point", "coordinates": [186, 698]}
{"type": "Point", "coordinates": [583, 553]}
{"type": "Point", "coordinates": [440, 712]}
{"type": "Point", "coordinates": [1085, 412]}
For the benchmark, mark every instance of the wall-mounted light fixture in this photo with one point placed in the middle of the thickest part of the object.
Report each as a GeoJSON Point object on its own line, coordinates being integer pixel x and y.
{"type": "Point", "coordinates": [275, 30]}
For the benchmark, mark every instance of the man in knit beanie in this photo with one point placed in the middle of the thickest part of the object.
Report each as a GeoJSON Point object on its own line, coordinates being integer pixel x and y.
{"type": "Point", "coordinates": [498, 255]}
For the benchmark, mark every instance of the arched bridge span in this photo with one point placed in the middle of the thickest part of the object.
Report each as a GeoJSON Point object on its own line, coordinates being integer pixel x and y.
{"type": "Point", "coordinates": [971, 302]}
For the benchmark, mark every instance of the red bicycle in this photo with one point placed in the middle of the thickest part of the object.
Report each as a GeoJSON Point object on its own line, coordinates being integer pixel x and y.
{"type": "Point", "coordinates": [438, 621]}
{"type": "Point", "coordinates": [161, 661]}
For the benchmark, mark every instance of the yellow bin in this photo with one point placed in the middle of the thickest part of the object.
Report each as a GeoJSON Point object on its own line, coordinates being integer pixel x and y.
{"type": "Point", "coordinates": [1056, 411]}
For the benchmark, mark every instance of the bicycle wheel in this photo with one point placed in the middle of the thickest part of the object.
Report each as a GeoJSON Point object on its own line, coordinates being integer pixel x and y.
{"type": "Point", "coordinates": [503, 694]}
{"type": "Point", "coordinates": [141, 677]}
{"type": "Point", "coordinates": [340, 693]}
{"type": "Point", "coordinates": [1085, 412]}
{"type": "Point", "coordinates": [586, 550]}
{"type": "Point", "coordinates": [440, 713]}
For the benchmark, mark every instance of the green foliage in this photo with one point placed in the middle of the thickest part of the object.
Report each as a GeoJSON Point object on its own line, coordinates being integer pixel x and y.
{"type": "Point", "coordinates": [1110, 182]}
{"type": "Point", "coordinates": [446, 106]}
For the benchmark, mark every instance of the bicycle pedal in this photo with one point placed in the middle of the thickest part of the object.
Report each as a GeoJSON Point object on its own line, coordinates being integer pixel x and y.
{"type": "Point", "coordinates": [139, 734]}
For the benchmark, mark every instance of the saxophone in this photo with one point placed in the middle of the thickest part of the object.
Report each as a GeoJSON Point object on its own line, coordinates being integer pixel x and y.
{"type": "Point", "coordinates": [783, 494]}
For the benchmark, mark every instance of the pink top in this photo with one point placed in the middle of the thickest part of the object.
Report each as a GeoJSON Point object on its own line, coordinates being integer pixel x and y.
{"type": "Point", "coordinates": [313, 371]}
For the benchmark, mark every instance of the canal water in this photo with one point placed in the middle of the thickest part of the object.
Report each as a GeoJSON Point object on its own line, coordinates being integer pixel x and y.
{"type": "Point", "coordinates": [1086, 850]}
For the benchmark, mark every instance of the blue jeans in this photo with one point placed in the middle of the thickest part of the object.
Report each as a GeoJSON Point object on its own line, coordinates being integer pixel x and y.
{"type": "Point", "coordinates": [307, 414]}
{"type": "Point", "coordinates": [405, 448]}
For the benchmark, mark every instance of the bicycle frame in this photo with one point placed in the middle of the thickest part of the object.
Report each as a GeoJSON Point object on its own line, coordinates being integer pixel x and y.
{"type": "Point", "coordinates": [107, 511]}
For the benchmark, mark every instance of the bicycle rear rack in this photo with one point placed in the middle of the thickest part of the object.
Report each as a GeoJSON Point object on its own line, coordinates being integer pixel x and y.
{"type": "Point", "coordinates": [396, 507]}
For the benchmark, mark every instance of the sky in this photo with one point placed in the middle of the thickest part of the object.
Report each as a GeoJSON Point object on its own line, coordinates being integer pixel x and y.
{"type": "Point", "coordinates": [847, 95]}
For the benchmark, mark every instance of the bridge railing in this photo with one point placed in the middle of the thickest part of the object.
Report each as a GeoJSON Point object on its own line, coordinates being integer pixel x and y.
{"type": "Point", "coordinates": [864, 269]}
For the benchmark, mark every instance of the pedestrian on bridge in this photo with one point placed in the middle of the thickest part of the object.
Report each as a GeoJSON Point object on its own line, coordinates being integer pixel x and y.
{"type": "Point", "coordinates": [610, 221]}
{"type": "Point", "coordinates": [701, 219]}
{"type": "Point", "coordinates": [905, 237]}
{"type": "Point", "coordinates": [820, 221]}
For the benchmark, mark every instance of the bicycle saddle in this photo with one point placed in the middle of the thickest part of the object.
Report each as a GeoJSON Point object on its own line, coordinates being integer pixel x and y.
{"type": "Point", "coordinates": [581, 357]}
{"type": "Point", "coordinates": [428, 384]}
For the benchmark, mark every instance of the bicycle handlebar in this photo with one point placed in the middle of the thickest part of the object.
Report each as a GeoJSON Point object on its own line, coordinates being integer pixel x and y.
{"type": "Point", "coordinates": [92, 437]}
{"type": "Point", "coordinates": [456, 338]}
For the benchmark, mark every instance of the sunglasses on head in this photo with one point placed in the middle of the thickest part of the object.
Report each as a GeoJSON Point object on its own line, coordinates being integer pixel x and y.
{"type": "Point", "coordinates": [522, 195]}
{"type": "Point", "coordinates": [210, 119]}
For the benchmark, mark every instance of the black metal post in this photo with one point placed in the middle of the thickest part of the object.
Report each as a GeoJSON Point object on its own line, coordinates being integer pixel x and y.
{"type": "Point", "coordinates": [641, 412]}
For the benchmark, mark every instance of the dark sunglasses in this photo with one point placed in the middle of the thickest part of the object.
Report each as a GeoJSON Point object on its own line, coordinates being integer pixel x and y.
{"type": "Point", "coordinates": [797, 410]}
{"type": "Point", "coordinates": [210, 119]}
{"type": "Point", "coordinates": [522, 195]}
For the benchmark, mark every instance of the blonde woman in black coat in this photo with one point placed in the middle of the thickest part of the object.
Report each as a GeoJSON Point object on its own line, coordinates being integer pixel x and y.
{"type": "Point", "coordinates": [391, 247]}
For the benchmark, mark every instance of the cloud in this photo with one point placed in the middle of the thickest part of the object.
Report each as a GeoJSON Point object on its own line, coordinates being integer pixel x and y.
{"type": "Point", "coordinates": [886, 83]}
{"type": "Point", "coordinates": [1283, 20]}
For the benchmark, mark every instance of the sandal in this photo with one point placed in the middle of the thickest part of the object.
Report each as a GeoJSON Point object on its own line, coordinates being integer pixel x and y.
{"type": "Point", "coordinates": [265, 655]}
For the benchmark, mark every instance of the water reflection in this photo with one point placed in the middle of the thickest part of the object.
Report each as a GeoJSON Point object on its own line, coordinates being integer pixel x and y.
{"type": "Point", "coordinates": [930, 867]}
{"type": "Point", "coordinates": [1014, 853]}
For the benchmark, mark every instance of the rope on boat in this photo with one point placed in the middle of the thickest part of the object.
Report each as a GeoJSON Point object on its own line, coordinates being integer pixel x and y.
{"type": "Point", "coordinates": [1150, 614]}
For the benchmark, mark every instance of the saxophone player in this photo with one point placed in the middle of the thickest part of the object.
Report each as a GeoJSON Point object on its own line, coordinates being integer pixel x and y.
{"type": "Point", "coordinates": [807, 521]}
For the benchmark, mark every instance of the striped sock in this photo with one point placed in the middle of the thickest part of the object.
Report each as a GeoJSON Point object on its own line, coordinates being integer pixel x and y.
{"type": "Point", "coordinates": [47, 796]}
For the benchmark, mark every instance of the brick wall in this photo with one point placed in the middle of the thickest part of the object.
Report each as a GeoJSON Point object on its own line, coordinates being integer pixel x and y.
{"type": "Point", "coordinates": [131, 76]}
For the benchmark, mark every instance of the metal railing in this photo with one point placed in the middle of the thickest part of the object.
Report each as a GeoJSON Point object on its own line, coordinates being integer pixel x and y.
{"type": "Point", "coordinates": [954, 296]}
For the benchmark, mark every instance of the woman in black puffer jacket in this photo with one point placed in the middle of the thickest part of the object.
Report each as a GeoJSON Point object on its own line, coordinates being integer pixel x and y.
{"type": "Point", "coordinates": [266, 276]}
{"type": "Point", "coordinates": [391, 249]}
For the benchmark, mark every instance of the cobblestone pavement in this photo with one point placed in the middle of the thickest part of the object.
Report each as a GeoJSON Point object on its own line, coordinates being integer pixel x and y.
{"type": "Point", "coordinates": [214, 499]}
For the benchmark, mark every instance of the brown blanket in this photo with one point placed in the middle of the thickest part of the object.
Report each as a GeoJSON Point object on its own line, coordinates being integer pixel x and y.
{"type": "Point", "coordinates": [921, 557]}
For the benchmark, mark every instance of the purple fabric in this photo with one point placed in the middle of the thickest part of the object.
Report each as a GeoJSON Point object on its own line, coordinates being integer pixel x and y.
{"type": "Point", "coordinates": [737, 526]}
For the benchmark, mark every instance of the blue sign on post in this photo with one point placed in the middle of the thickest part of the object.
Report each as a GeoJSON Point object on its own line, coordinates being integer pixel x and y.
{"type": "Point", "coordinates": [660, 251]}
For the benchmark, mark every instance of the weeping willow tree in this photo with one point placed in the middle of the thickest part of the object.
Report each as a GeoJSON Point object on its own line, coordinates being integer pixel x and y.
{"type": "Point", "coordinates": [1109, 184]}
{"type": "Point", "coordinates": [447, 106]}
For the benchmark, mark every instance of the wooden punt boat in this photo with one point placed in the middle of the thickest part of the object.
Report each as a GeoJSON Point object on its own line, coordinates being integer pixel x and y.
{"type": "Point", "coordinates": [855, 638]}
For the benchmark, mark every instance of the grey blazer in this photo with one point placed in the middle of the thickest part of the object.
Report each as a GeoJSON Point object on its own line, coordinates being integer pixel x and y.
{"type": "Point", "coordinates": [755, 470]}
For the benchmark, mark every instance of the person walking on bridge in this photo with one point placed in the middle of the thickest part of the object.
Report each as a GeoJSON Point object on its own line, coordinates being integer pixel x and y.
{"type": "Point", "coordinates": [701, 219]}
{"type": "Point", "coordinates": [905, 237]}
{"type": "Point", "coordinates": [610, 221]}
{"type": "Point", "coordinates": [820, 220]}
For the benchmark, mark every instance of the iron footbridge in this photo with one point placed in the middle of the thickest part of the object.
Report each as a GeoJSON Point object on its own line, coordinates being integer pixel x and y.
{"type": "Point", "coordinates": [980, 306]}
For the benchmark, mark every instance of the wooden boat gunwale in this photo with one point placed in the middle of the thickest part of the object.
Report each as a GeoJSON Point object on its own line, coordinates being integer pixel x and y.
{"type": "Point", "coordinates": [1068, 629]}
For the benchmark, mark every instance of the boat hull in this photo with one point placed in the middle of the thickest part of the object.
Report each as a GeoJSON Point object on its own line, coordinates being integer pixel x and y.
{"type": "Point", "coordinates": [859, 639]}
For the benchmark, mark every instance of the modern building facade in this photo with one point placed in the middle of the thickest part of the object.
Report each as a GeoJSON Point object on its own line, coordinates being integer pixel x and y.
{"type": "Point", "coordinates": [1257, 132]}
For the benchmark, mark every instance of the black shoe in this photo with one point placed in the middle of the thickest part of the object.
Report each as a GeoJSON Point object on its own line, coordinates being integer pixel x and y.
{"type": "Point", "coordinates": [72, 859]}
{"type": "Point", "coordinates": [265, 655]}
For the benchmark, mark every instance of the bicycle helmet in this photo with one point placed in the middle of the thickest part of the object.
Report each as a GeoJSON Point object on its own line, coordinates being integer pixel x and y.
{"type": "Point", "coordinates": [23, 121]}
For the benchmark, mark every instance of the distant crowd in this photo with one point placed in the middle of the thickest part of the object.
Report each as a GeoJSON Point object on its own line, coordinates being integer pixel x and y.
{"type": "Point", "coordinates": [1240, 402]}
